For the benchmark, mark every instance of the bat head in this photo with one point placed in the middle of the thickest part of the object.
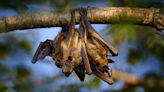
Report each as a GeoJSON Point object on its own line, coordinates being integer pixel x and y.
{"type": "Point", "coordinates": [68, 65]}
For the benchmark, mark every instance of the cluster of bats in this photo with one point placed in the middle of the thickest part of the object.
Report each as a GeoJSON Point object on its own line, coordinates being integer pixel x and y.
{"type": "Point", "coordinates": [81, 50]}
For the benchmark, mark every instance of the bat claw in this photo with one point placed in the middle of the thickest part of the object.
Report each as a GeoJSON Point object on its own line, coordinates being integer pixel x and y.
{"type": "Point", "coordinates": [58, 63]}
{"type": "Point", "coordinates": [110, 72]}
{"type": "Point", "coordinates": [33, 61]}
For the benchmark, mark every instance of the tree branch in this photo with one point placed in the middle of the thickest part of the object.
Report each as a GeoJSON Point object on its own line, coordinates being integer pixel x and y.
{"type": "Point", "coordinates": [103, 15]}
{"type": "Point", "coordinates": [131, 79]}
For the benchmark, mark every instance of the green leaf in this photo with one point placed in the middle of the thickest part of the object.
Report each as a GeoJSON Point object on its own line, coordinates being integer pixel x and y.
{"type": "Point", "coordinates": [94, 83]}
{"type": "Point", "coordinates": [22, 74]}
{"type": "Point", "coordinates": [3, 88]}
{"type": "Point", "coordinates": [134, 56]}
{"type": "Point", "coordinates": [25, 45]}
{"type": "Point", "coordinates": [121, 32]}
{"type": "Point", "coordinates": [4, 50]}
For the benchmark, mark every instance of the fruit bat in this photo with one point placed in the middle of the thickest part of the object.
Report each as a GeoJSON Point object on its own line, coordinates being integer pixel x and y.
{"type": "Point", "coordinates": [94, 35]}
{"type": "Point", "coordinates": [96, 46]}
{"type": "Point", "coordinates": [73, 50]}
{"type": "Point", "coordinates": [106, 76]}
{"type": "Point", "coordinates": [97, 51]}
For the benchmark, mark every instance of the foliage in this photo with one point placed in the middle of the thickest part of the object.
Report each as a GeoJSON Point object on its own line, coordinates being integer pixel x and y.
{"type": "Point", "coordinates": [143, 42]}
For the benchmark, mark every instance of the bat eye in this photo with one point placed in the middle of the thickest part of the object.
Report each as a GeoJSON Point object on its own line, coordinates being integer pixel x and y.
{"type": "Point", "coordinates": [66, 63]}
{"type": "Point", "coordinates": [43, 53]}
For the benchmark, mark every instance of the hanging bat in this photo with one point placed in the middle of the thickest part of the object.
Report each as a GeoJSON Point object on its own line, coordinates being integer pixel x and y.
{"type": "Point", "coordinates": [69, 64]}
{"type": "Point", "coordinates": [97, 53]}
{"type": "Point", "coordinates": [73, 50]}
{"type": "Point", "coordinates": [94, 35]}
{"type": "Point", "coordinates": [95, 45]}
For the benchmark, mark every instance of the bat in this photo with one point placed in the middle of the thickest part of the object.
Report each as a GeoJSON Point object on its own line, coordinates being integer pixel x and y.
{"type": "Point", "coordinates": [94, 35]}
{"type": "Point", "coordinates": [97, 53]}
{"type": "Point", "coordinates": [80, 69]}
{"type": "Point", "coordinates": [95, 45]}
{"type": "Point", "coordinates": [73, 50]}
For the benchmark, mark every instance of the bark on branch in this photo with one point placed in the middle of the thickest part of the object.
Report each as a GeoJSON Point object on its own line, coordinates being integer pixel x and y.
{"type": "Point", "coordinates": [103, 15]}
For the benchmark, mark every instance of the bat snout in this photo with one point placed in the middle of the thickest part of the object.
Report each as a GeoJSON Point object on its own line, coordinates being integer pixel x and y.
{"type": "Point", "coordinates": [63, 71]}
{"type": "Point", "coordinates": [67, 74]}
{"type": "Point", "coordinates": [66, 70]}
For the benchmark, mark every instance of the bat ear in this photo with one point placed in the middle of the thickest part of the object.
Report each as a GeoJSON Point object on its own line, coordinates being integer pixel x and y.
{"type": "Point", "coordinates": [70, 58]}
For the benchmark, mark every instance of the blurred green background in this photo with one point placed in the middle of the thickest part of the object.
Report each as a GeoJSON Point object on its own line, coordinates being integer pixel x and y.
{"type": "Point", "coordinates": [141, 51]}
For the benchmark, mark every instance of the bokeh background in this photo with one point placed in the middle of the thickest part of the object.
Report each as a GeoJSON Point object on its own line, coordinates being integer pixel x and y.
{"type": "Point", "coordinates": [141, 51]}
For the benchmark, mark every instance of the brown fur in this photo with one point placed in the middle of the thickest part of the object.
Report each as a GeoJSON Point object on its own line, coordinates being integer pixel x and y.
{"type": "Point", "coordinates": [97, 54]}
{"type": "Point", "coordinates": [60, 37]}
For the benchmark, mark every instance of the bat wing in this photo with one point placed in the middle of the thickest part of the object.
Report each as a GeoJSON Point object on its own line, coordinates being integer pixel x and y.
{"type": "Point", "coordinates": [85, 60]}
{"type": "Point", "coordinates": [59, 38]}
{"type": "Point", "coordinates": [107, 77]}
{"type": "Point", "coordinates": [98, 38]}
{"type": "Point", "coordinates": [43, 50]}
{"type": "Point", "coordinates": [56, 45]}
{"type": "Point", "coordinates": [83, 48]}
{"type": "Point", "coordinates": [70, 31]}
{"type": "Point", "coordinates": [80, 72]}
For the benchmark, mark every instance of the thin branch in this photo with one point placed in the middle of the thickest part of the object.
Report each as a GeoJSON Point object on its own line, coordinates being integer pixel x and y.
{"type": "Point", "coordinates": [131, 79]}
{"type": "Point", "coordinates": [101, 15]}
